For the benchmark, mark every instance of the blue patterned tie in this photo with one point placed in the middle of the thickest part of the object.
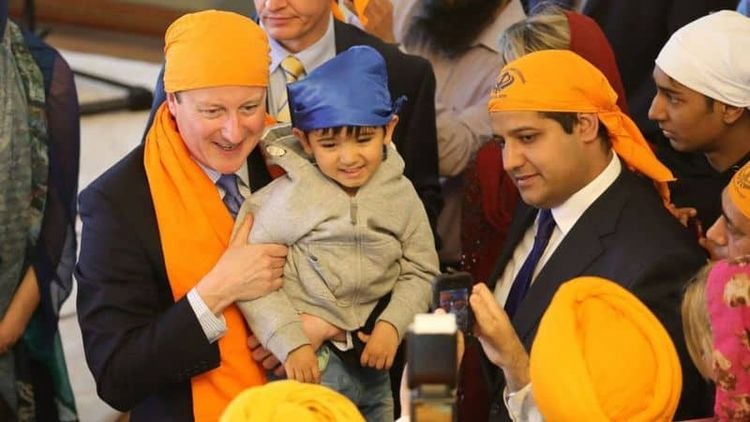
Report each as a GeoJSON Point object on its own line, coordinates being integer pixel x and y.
{"type": "Point", "coordinates": [232, 197]}
{"type": "Point", "coordinates": [523, 279]}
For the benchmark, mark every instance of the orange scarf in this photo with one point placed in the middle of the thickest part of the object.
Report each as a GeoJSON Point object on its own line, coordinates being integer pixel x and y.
{"type": "Point", "coordinates": [359, 5]}
{"type": "Point", "coordinates": [194, 227]}
{"type": "Point", "coordinates": [575, 85]}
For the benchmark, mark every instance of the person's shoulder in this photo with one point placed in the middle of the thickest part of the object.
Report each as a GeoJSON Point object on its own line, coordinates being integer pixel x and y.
{"type": "Point", "coordinates": [390, 52]}
{"type": "Point", "coordinates": [123, 176]}
{"type": "Point", "coordinates": [644, 215]}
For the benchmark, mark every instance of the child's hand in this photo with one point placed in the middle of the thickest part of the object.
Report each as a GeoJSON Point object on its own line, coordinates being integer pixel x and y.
{"type": "Point", "coordinates": [302, 365]}
{"type": "Point", "coordinates": [381, 346]}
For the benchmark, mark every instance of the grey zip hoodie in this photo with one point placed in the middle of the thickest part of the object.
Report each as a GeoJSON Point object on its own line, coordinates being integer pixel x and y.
{"type": "Point", "coordinates": [345, 252]}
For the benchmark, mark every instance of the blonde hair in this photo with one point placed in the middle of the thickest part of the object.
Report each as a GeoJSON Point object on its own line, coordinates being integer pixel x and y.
{"type": "Point", "coordinates": [547, 30]}
{"type": "Point", "coordinates": [696, 324]}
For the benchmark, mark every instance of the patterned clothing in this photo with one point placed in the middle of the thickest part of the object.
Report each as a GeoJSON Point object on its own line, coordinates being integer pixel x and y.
{"type": "Point", "coordinates": [728, 299]}
{"type": "Point", "coordinates": [24, 156]}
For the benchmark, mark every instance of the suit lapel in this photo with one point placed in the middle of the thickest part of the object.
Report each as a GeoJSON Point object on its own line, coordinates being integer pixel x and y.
{"type": "Point", "coordinates": [575, 254]}
{"type": "Point", "coordinates": [522, 219]}
{"type": "Point", "coordinates": [342, 36]}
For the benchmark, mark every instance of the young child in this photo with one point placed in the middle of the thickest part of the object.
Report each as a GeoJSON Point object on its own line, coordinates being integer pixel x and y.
{"type": "Point", "coordinates": [360, 244]}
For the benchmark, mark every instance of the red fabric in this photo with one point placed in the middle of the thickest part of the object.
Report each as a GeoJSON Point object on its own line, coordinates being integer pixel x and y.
{"type": "Point", "coordinates": [490, 198]}
{"type": "Point", "coordinates": [588, 41]}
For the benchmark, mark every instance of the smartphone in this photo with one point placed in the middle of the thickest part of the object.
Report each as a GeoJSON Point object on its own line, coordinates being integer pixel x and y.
{"type": "Point", "coordinates": [451, 292]}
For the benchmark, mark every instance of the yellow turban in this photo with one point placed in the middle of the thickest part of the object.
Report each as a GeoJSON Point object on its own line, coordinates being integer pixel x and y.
{"type": "Point", "coordinates": [601, 355]}
{"type": "Point", "coordinates": [739, 190]}
{"type": "Point", "coordinates": [291, 401]}
{"type": "Point", "coordinates": [562, 81]}
{"type": "Point", "coordinates": [214, 48]}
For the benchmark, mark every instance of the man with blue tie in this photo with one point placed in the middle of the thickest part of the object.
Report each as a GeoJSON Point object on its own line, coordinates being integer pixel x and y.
{"type": "Point", "coordinates": [157, 272]}
{"type": "Point", "coordinates": [595, 201]}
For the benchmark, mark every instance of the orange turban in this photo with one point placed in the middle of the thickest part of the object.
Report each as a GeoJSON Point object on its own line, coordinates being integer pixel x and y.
{"type": "Point", "coordinates": [601, 355]}
{"type": "Point", "coordinates": [215, 48]}
{"type": "Point", "coordinates": [290, 400]}
{"type": "Point", "coordinates": [739, 190]}
{"type": "Point", "coordinates": [562, 81]}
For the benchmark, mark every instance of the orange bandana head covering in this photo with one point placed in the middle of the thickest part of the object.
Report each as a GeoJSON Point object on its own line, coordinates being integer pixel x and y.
{"type": "Point", "coordinates": [359, 5]}
{"type": "Point", "coordinates": [575, 85]}
{"type": "Point", "coordinates": [739, 190]}
{"type": "Point", "coordinates": [291, 401]}
{"type": "Point", "coordinates": [214, 48]}
{"type": "Point", "coordinates": [601, 355]}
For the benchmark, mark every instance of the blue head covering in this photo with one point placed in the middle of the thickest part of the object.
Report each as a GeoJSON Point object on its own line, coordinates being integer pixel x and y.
{"type": "Point", "coordinates": [351, 89]}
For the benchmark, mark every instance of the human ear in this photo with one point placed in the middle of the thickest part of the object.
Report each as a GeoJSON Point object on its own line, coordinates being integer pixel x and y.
{"type": "Point", "coordinates": [588, 126]}
{"type": "Point", "coordinates": [390, 127]}
{"type": "Point", "coordinates": [303, 139]}
{"type": "Point", "coordinates": [172, 102]}
{"type": "Point", "coordinates": [731, 114]}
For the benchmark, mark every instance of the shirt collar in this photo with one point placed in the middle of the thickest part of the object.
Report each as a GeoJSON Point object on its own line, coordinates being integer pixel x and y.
{"type": "Point", "coordinates": [313, 56]}
{"type": "Point", "coordinates": [490, 37]}
{"type": "Point", "coordinates": [567, 214]}
{"type": "Point", "coordinates": [242, 173]}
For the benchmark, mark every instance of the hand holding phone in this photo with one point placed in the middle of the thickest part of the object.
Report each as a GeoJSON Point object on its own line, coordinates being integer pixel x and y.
{"type": "Point", "coordinates": [451, 292]}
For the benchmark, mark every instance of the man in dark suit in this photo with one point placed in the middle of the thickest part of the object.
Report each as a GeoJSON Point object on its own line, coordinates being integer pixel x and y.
{"type": "Point", "coordinates": [572, 156]}
{"type": "Point", "coordinates": [157, 273]}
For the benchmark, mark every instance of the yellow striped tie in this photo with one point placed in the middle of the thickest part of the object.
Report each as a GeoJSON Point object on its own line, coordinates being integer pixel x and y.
{"type": "Point", "coordinates": [293, 71]}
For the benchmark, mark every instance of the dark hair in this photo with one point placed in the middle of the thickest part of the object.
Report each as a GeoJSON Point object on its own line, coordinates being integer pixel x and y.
{"type": "Point", "coordinates": [568, 120]}
{"type": "Point", "coordinates": [354, 130]}
{"type": "Point", "coordinates": [709, 102]}
{"type": "Point", "coordinates": [449, 27]}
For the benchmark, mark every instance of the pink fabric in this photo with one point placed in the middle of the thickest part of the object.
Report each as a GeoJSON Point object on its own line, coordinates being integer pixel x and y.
{"type": "Point", "coordinates": [728, 298]}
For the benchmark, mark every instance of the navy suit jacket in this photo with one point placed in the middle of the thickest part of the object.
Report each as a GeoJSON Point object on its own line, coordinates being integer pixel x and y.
{"type": "Point", "coordinates": [141, 346]}
{"type": "Point", "coordinates": [416, 133]}
{"type": "Point", "coordinates": [626, 236]}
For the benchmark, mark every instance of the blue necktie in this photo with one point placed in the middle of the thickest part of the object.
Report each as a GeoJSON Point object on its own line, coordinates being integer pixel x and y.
{"type": "Point", "coordinates": [232, 197]}
{"type": "Point", "coordinates": [523, 279]}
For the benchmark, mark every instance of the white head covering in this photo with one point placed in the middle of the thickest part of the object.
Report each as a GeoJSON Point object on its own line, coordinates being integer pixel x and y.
{"type": "Point", "coordinates": [711, 55]}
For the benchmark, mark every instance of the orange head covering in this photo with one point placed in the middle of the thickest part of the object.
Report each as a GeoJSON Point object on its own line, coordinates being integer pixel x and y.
{"type": "Point", "coordinates": [214, 48]}
{"type": "Point", "coordinates": [359, 5]}
{"type": "Point", "coordinates": [739, 190]}
{"type": "Point", "coordinates": [601, 355]}
{"type": "Point", "coordinates": [291, 401]}
{"type": "Point", "coordinates": [575, 85]}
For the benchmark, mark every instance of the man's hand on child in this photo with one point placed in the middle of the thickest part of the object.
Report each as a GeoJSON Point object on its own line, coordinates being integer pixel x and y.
{"type": "Point", "coordinates": [244, 271]}
{"type": "Point", "coordinates": [264, 357]}
{"type": "Point", "coordinates": [302, 365]}
{"type": "Point", "coordinates": [381, 346]}
{"type": "Point", "coordinates": [319, 330]}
